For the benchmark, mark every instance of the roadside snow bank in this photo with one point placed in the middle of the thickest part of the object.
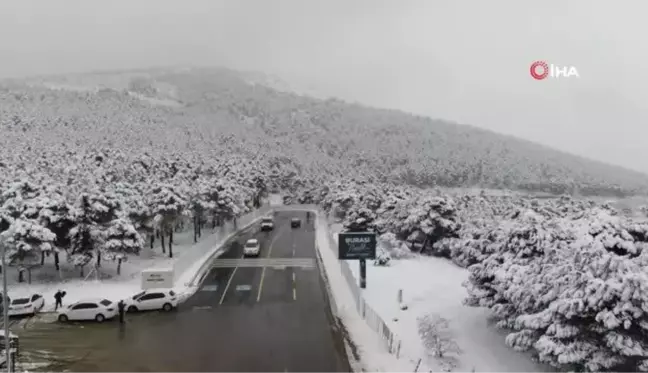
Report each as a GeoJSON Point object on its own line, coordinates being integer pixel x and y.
{"type": "Point", "coordinates": [371, 351]}
{"type": "Point", "coordinates": [188, 273]}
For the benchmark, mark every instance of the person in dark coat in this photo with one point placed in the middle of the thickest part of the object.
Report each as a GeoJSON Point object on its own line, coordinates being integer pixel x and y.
{"type": "Point", "coordinates": [121, 306]}
{"type": "Point", "coordinates": [58, 297]}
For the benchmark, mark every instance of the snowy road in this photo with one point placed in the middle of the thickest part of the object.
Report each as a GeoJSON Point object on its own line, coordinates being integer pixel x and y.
{"type": "Point", "coordinates": [265, 314]}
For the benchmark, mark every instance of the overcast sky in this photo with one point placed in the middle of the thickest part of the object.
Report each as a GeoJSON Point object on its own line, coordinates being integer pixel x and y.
{"type": "Point", "coordinates": [462, 60]}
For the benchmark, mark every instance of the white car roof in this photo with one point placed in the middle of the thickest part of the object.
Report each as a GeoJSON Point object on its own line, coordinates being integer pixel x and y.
{"type": "Point", "coordinates": [91, 300]}
{"type": "Point", "coordinates": [252, 240]}
{"type": "Point", "coordinates": [11, 334]}
{"type": "Point", "coordinates": [23, 295]}
{"type": "Point", "coordinates": [13, 299]}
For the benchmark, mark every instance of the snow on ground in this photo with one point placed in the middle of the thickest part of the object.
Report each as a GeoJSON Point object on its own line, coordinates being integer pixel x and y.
{"type": "Point", "coordinates": [275, 199]}
{"type": "Point", "coordinates": [106, 283]}
{"type": "Point", "coordinates": [373, 354]}
{"type": "Point", "coordinates": [188, 261]}
{"type": "Point", "coordinates": [433, 286]}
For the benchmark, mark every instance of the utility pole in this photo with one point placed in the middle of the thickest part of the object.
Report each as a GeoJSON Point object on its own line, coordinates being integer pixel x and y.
{"type": "Point", "coordinates": [5, 310]}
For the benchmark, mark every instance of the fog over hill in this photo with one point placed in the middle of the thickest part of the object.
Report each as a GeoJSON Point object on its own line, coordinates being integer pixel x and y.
{"type": "Point", "coordinates": [203, 112]}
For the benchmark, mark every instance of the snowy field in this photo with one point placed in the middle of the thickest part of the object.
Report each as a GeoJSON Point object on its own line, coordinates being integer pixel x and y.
{"type": "Point", "coordinates": [432, 287]}
{"type": "Point", "coordinates": [433, 294]}
{"type": "Point", "coordinates": [104, 283]}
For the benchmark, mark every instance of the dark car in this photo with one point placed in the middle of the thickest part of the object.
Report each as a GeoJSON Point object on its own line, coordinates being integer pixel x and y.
{"type": "Point", "coordinates": [295, 222]}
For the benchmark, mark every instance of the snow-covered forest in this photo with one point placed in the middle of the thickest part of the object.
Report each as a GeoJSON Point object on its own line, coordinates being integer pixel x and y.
{"type": "Point", "coordinates": [565, 277]}
{"type": "Point", "coordinates": [98, 166]}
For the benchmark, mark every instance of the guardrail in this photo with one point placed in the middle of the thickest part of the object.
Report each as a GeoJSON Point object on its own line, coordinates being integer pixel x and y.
{"type": "Point", "coordinates": [368, 314]}
{"type": "Point", "coordinates": [206, 255]}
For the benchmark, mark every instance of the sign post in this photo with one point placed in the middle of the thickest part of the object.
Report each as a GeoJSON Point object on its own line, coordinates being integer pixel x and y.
{"type": "Point", "coordinates": [358, 246]}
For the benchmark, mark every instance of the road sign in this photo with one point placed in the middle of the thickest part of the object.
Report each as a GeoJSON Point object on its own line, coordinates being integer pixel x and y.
{"type": "Point", "coordinates": [356, 245]}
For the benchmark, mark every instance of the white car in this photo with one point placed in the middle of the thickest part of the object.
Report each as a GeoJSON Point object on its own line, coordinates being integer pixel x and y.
{"type": "Point", "coordinates": [252, 247]}
{"type": "Point", "coordinates": [152, 299]}
{"type": "Point", "coordinates": [89, 309]}
{"type": "Point", "coordinates": [26, 305]}
{"type": "Point", "coordinates": [267, 223]}
{"type": "Point", "coordinates": [14, 342]}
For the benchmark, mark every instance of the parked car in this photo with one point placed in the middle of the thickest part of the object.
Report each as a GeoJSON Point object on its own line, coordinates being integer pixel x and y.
{"type": "Point", "coordinates": [152, 299]}
{"type": "Point", "coordinates": [295, 222]}
{"type": "Point", "coordinates": [14, 342]}
{"type": "Point", "coordinates": [267, 223]}
{"type": "Point", "coordinates": [97, 309]}
{"type": "Point", "coordinates": [252, 247]}
{"type": "Point", "coordinates": [26, 305]}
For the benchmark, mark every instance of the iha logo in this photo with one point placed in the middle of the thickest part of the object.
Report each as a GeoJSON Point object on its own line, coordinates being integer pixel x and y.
{"type": "Point", "coordinates": [541, 70]}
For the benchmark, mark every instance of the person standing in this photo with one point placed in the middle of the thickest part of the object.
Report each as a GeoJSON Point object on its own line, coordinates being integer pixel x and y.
{"type": "Point", "coordinates": [58, 297]}
{"type": "Point", "coordinates": [121, 306]}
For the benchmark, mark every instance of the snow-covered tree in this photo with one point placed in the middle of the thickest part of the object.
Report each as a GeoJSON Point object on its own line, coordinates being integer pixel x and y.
{"type": "Point", "coordinates": [25, 240]}
{"type": "Point", "coordinates": [121, 238]}
{"type": "Point", "coordinates": [438, 340]}
{"type": "Point", "coordinates": [87, 236]}
{"type": "Point", "coordinates": [167, 208]}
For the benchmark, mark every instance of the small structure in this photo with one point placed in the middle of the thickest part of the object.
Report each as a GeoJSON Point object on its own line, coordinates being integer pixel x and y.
{"type": "Point", "coordinates": [157, 278]}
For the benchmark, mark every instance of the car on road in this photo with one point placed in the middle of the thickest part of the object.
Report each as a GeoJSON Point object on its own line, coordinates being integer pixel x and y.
{"type": "Point", "coordinates": [267, 223]}
{"type": "Point", "coordinates": [151, 300]}
{"type": "Point", "coordinates": [96, 309]}
{"type": "Point", "coordinates": [252, 247]}
{"type": "Point", "coordinates": [295, 222]}
{"type": "Point", "coordinates": [28, 305]}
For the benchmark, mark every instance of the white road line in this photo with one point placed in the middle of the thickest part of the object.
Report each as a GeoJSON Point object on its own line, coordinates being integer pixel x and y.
{"type": "Point", "coordinates": [263, 271]}
{"type": "Point", "coordinates": [229, 282]}
{"type": "Point", "coordinates": [228, 285]}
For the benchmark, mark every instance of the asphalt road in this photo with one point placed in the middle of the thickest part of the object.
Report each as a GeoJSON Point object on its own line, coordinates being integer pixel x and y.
{"type": "Point", "coordinates": [250, 314]}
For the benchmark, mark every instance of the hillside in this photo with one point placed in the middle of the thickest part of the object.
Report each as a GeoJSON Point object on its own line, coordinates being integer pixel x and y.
{"type": "Point", "coordinates": [98, 166]}
{"type": "Point", "coordinates": [198, 114]}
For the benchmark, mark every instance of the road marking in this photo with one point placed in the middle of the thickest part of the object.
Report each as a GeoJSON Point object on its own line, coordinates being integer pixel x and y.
{"type": "Point", "coordinates": [265, 262]}
{"type": "Point", "coordinates": [263, 271]}
{"type": "Point", "coordinates": [294, 278]}
{"type": "Point", "coordinates": [202, 307]}
{"type": "Point", "coordinates": [228, 285]}
{"type": "Point", "coordinates": [229, 281]}
{"type": "Point", "coordinates": [243, 287]}
{"type": "Point", "coordinates": [210, 288]}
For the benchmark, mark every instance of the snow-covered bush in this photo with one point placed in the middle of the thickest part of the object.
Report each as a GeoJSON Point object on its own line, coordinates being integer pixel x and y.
{"type": "Point", "coordinates": [439, 341]}
{"type": "Point", "coordinates": [394, 247]}
{"type": "Point", "coordinates": [573, 292]}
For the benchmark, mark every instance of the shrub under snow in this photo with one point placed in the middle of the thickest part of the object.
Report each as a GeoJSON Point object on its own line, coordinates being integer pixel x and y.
{"type": "Point", "coordinates": [573, 292]}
